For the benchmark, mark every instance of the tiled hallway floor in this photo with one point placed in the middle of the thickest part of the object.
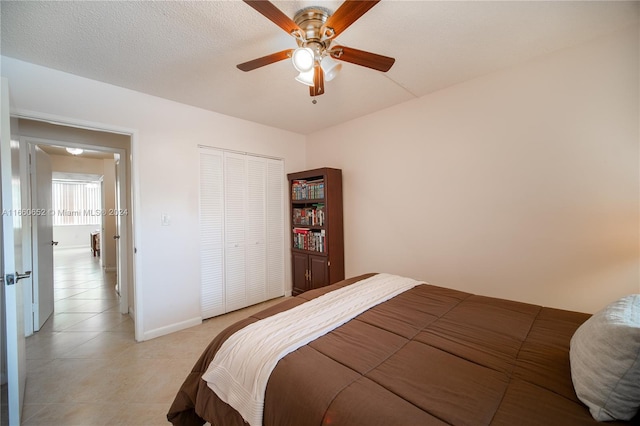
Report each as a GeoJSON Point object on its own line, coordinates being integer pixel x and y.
{"type": "Point", "coordinates": [84, 367]}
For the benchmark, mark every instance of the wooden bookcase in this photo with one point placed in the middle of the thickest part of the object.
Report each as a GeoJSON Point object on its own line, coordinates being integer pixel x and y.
{"type": "Point", "coordinates": [317, 236]}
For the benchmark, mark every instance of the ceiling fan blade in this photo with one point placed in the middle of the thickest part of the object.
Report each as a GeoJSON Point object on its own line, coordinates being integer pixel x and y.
{"type": "Point", "coordinates": [265, 60]}
{"type": "Point", "coordinates": [318, 82]}
{"type": "Point", "coordinates": [275, 15]}
{"type": "Point", "coordinates": [348, 12]}
{"type": "Point", "coordinates": [365, 59]}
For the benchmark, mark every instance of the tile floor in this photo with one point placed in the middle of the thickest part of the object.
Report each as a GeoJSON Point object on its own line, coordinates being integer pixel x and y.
{"type": "Point", "coordinates": [84, 367]}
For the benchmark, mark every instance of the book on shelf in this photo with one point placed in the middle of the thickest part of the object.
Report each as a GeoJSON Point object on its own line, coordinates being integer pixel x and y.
{"type": "Point", "coordinates": [318, 214]}
{"type": "Point", "coordinates": [298, 189]}
{"type": "Point", "coordinates": [307, 239]}
{"type": "Point", "coordinates": [310, 216]}
{"type": "Point", "coordinates": [307, 189]}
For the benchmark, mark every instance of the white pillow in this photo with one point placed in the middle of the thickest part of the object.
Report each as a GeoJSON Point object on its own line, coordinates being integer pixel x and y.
{"type": "Point", "coordinates": [605, 360]}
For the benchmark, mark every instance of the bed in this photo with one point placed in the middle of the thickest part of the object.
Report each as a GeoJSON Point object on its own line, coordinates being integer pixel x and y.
{"type": "Point", "coordinates": [428, 356]}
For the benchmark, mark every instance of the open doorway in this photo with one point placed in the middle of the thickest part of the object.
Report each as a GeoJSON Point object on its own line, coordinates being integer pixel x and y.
{"type": "Point", "coordinates": [103, 230]}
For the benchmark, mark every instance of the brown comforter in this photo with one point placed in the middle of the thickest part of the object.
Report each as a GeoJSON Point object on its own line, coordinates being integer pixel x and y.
{"type": "Point", "coordinates": [430, 356]}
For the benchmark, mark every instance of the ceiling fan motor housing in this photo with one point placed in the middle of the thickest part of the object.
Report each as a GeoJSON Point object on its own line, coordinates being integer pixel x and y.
{"type": "Point", "coordinates": [311, 21]}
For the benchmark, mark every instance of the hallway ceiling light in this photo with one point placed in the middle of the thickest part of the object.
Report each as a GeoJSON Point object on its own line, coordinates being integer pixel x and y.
{"type": "Point", "coordinates": [75, 151]}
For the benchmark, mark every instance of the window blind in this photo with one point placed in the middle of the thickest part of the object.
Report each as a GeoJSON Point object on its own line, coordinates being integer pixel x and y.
{"type": "Point", "coordinates": [76, 203]}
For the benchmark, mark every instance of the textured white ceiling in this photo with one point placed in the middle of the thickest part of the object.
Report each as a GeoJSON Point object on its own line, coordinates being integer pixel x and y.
{"type": "Point", "coordinates": [187, 51]}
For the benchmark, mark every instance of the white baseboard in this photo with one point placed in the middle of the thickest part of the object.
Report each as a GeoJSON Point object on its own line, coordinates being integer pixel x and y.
{"type": "Point", "coordinates": [152, 334]}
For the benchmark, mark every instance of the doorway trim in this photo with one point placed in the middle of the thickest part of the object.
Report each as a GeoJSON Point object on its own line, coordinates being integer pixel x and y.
{"type": "Point", "coordinates": [132, 183]}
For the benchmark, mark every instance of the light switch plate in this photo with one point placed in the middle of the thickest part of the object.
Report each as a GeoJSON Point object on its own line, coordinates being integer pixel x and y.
{"type": "Point", "coordinates": [165, 219]}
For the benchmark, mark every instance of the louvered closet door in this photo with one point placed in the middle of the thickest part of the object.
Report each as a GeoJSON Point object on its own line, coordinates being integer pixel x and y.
{"type": "Point", "coordinates": [235, 207]}
{"type": "Point", "coordinates": [275, 200]}
{"type": "Point", "coordinates": [211, 233]}
{"type": "Point", "coordinates": [256, 230]}
{"type": "Point", "coordinates": [242, 230]}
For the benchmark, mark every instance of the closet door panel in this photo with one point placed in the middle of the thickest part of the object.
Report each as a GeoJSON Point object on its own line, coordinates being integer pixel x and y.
{"type": "Point", "coordinates": [256, 232]}
{"type": "Point", "coordinates": [275, 237]}
{"type": "Point", "coordinates": [235, 290]}
{"type": "Point", "coordinates": [235, 206]}
{"type": "Point", "coordinates": [212, 295]}
{"type": "Point", "coordinates": [235, 203]}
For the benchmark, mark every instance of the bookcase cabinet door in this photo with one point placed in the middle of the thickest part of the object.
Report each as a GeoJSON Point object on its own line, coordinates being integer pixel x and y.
{"type": "Point", "coordinates": [300, 263]}
{"type": "Point", "coordinates": [318, 271]}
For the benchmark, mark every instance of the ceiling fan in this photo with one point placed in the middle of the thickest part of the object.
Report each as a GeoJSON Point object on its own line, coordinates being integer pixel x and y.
{"type": "Point", "coordinates": [315, 30]}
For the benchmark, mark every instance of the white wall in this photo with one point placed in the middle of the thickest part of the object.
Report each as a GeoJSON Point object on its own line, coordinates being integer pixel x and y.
{"type": "Point", "coordinates": [69, 164]}
{"type": "Point", "coordinates": [74, 236]}
{"type": "Point", "coordinates": [165, 148]}
{"type": "Point", "coordinates": [521, 184]}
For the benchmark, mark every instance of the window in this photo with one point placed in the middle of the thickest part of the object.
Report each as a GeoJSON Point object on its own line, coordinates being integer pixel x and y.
{"type": "Point", "coordinates": [76, 203]}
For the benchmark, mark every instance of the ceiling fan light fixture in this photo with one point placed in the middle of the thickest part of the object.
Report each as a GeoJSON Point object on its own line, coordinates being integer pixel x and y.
{"type": "Point", "coordinates": [306, 77]}
{"type": "Point", "coordinates": [303, 59]}
{"type": "Point", "coordinates": [330, 67]}
{"type": "Point", "coordinates": [75, 151]}
{"type": "Point", "coordinates": [314, 30]}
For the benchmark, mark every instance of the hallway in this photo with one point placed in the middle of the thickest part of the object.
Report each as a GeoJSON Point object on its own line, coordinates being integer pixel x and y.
{"type": "Point", "coordinates": [85, 297]}
{"type": "Point", "coordinates": [84, 367]}
{"type": "Point", "coordinates": [84, 336]}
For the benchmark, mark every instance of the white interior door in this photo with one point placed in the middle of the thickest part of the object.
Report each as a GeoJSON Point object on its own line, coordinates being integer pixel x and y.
{"type": "Point", "coordinates": [11, 262]}
{"type": "Point", "coordinates": [116, 236]}
{"type": "Point", "coordinates": [122, 213]}
{"type": "Point", "coordinates": [255, 233]}
{"type": "Point", "coordinates": [235, 206]}
{"type": "Point", "coordinates": [42, 228]}
{"type": "Point", "coordinates": [242, 230]}
{"type": "Point", "coordinates": [212, 291]}
{"type": "Point", "coordinates": [275, 229]}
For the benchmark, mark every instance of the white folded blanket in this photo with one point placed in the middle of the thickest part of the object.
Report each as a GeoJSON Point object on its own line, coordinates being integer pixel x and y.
{"type": "Point", "coordinates": [241, 368]}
